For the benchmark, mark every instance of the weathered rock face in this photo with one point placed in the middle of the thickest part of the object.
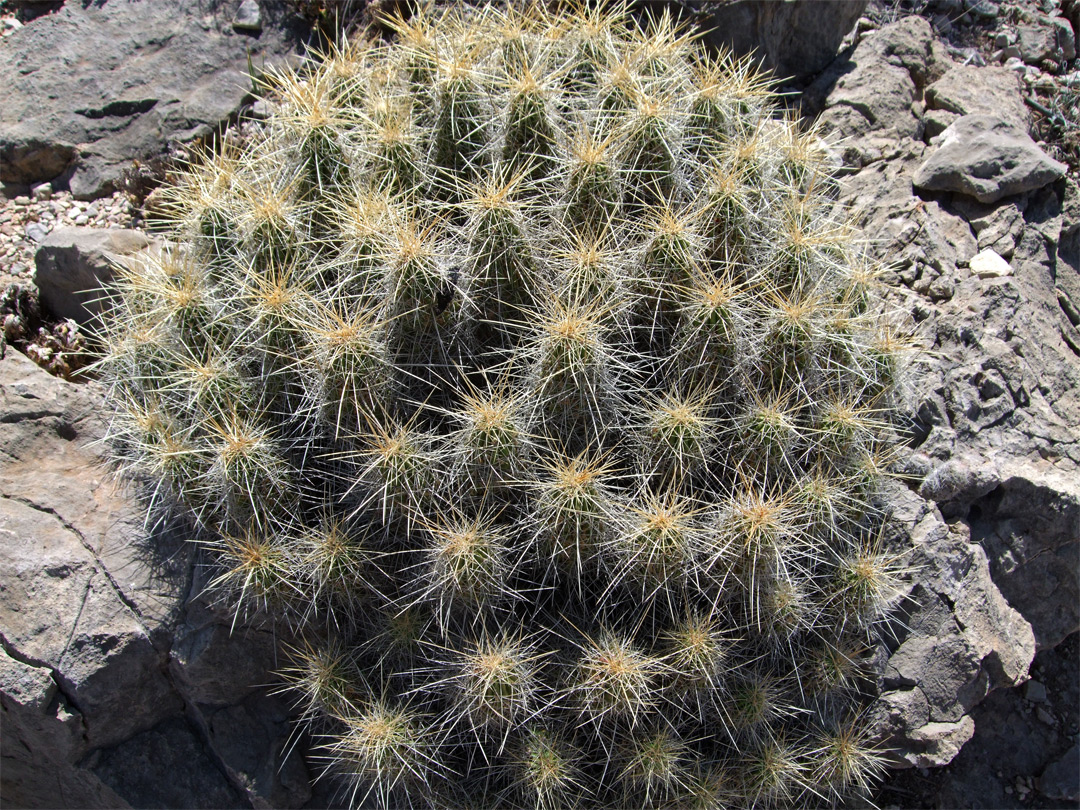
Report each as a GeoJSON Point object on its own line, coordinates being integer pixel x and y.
{"type": "Point", "coordinates": [790, 39]}
{"type": "Point", "coordinates": [986, 263]}
{"type": "Point", "coordinates": [878, 84]}
{"type": "Point", "coordinates": [94, 86]}
{"type": "Point", "coordinates": [955, 639]}
{"type": "Point", "coordinates": [114, 675]}
{"type": "Point", "coordinates": [970, 90]}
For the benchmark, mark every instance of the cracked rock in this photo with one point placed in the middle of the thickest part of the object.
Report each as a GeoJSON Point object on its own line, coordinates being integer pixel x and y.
{"type": "Point", "coordinates": [956, 639]}
{"type": "Point", "coordinates": [94, 618]}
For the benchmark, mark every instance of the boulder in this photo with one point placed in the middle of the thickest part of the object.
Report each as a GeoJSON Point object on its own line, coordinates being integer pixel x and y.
{"type": "Point", "coordinates": [970, 90]}
{"type": "Point", "coordinates": [986, 157]}
{"type": "Point", "coordinates": [94, 86]}
{"type": "Point", "coordinates": [106, 693]}
{"type": "Point", "coordinates": [792, 39]}
{"type": "Point", "coordinates": [73, 264]}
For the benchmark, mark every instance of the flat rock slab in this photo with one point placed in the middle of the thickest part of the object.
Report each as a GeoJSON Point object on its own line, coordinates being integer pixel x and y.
{"type": "Point", "coordinates": [970, 90]}
{"type": "Point", "coordinates": [94, 86]}
{"type": "Point", "coordinates": [986, 157]}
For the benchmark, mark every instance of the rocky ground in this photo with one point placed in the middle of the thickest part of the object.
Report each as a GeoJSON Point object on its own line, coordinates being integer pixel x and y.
{"type": "Point", "coordinates": [957, 137]}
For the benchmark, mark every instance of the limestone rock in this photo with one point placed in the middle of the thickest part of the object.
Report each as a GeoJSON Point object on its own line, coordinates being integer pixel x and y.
{"type": "Point", "coordinates": [72, 265]}
{"type": "Point", "coordinates": [941, 742]}
{"type": "Point", "coordinates": [988, 264]}
{"type": "Point", "coordinates": [970, 90]}
{"type": "Point", "coordinates": [880, 81]}
{"type": "Point", "coordinates": [956, 639]}
{"type": "Point", "coordinates": [1048, 38]}
{"type": "Point", "coordinates": [986, 158]}
{"type": "Point", "coordinates": [93, 86]}
{"type": "Point", "coordinates": [1029, 524]}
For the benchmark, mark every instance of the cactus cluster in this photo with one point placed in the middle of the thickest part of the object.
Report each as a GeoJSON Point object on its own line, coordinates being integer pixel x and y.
{"type": "Point", "coordinates": [524, 362]}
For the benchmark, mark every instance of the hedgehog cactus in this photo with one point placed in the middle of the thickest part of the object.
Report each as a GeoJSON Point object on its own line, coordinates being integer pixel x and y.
{"type": "Point", "coordinates": [525, 364]}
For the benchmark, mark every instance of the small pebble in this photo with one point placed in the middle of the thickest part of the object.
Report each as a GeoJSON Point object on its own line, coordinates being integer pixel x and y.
{"type": "Point", "coordinates": [1045, 717]}
{"type": "Point", "coordinates": [1035, 691]}
{"type": "Point", "coordinates": [42, 192]}
{"type": "Point", "coordinates": [36, 231]}
{"type": "Point", "coordinates": [82, 219]}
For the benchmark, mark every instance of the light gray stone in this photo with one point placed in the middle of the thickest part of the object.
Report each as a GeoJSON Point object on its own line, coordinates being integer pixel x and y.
{"type": "Point", "coordinates": [970, 90]}
{"type": "Point", "coordinates": [988, 264]}
{"type": "Point", "coordinates": [1049, 38]}
{"type": "Point", "coordinates": [986, 158]}
{"type": "Point", "coordinates": [248, 16]}
{"type": "Point", "coordinates": [940, 742]}
{"type": "Point", "coordinates": [877, 87]}
{"type": "Point", "coordinates": [74, 264]}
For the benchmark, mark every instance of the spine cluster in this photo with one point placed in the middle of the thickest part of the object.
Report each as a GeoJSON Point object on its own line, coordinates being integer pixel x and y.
{"type": "Point", "coordinates": [525, 362]}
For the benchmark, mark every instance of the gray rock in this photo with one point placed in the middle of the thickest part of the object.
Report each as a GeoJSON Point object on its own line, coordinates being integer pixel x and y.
{"type": "Point", "coordinates": [1050, 38]}
{"type": "Point", "coordinates": [1061, 780]}
{"type": "Point", "coordinates": [878, 85]}
{"type": "Point", "coordinates": [937, 121]}
{"type": "Point", "coordinates": [989, 264]}
{"type": "Point", "coordinates": [1029, 525]}
{"type": "Point", "coordinates": [938, 743]}
{"type": "Point", "coordinates": [252, 739]}
{"type": "Point", "coordinates": [968, 90]}
{"type": "Point", "coordinates": [248, 16]}
{"type": "Point", "coordinates": [1035, 692]}
{"type": "Point", "coordinates": [36, 232]}
{"type": "Point", "coordinates": [997, 227]}
{"type": "Point", "coordinates": [88, 629]}
{"type": "Point", "coordinates": [93, 86]}
{"type": "Point", "coordinates": [94, 615]}
{"type": "Point", "coordinates": [986, 158]}
{"type": "Point", "coordinates": [40, 738]}
{"type": "Point", "coordinates": [73, 265]}
{"type": "Point", "coordinates": [791, 39]}
{"type": "Point", "coordinates": [957, 639]}
{"type": "Point", "coordinates": [166, 766]}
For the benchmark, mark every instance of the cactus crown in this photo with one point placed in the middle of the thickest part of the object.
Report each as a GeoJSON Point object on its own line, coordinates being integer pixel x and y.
{"type": "Point", "coordinates": [526, 363]}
